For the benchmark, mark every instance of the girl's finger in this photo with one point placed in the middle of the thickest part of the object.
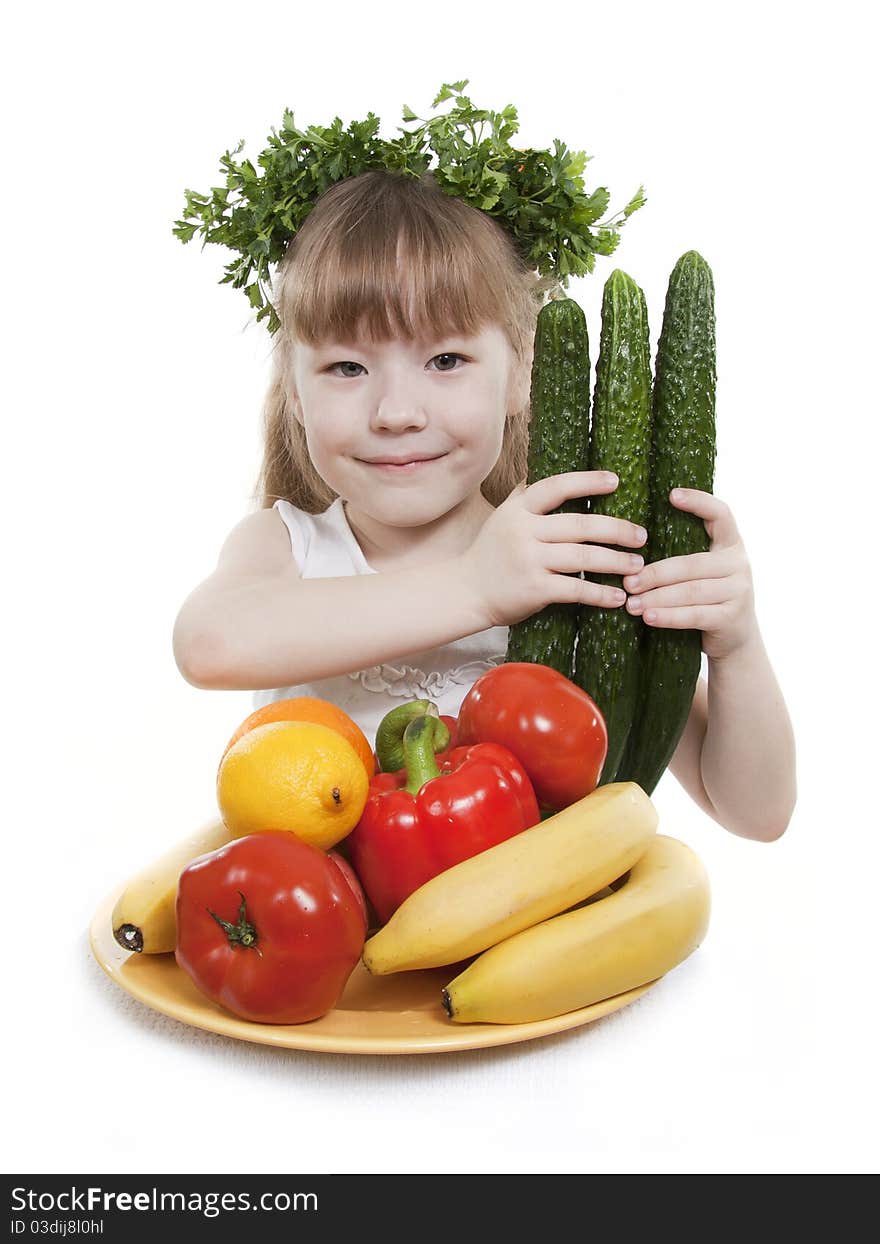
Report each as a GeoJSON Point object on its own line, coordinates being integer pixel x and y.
{"type": "Point", "coordinates": [598, 594]}
{"type": "Point", "coordinates": [597, 528]}
{"type": "Point", "coordinates": [712, 565]}
{"type": "Point", "coordinates": [593, 558]}
{"type": "Point", "coordinates": [548, 494]}
{"type": "Point", "coordinates": [687, 617]}
{"type": "Point", "coordinates": [694, 592]}
{"type": "Point", "coordinates": [715, 513]}
{"type": "Point", "coordinates": [570, 589]}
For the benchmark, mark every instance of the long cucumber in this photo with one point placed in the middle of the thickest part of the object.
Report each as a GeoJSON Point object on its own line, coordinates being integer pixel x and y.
{"type": "Point", "coordinates": [607, 651]}
{"type": "Point", "coordinates": [683, 456]}
{"type": "Point", "coordinates": [558, 440]}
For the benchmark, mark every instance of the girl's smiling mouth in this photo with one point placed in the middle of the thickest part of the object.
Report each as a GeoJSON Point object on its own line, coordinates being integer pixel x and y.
{"type": "Point", "coordinates": [397, 464]}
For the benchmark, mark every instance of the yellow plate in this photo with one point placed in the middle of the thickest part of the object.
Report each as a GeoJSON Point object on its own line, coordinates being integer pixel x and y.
{"type": "Point", "coordinates": [398, 1014]}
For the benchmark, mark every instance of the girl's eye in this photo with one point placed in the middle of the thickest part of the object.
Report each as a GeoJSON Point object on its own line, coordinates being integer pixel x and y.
{"type": "Point", "coordinates": [446, 362]}
{"type": "Point", "coordinates": [345, 364]}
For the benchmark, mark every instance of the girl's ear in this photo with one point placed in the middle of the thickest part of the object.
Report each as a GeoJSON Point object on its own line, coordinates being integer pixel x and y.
{"type": "Point", "coordinates": [294, 406]}
{"type": "Point", "coordinates": [520, 389]}
{"type": "Point", "coordinates": [287, 380]}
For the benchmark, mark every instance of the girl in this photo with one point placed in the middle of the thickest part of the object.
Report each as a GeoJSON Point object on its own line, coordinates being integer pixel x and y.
{"type": "Point", "coordinates": [396, 542]}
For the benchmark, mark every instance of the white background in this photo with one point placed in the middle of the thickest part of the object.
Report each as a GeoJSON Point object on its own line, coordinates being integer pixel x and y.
{"type": "Point", "coordinates": [133, 385]}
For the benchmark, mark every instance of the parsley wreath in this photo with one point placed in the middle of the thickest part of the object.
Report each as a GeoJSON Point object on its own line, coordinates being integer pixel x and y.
{"type": "Point", "coordinates": [537, 196]}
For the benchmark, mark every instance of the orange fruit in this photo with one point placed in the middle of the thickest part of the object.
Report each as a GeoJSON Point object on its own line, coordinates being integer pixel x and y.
{"type": "Point", "coordinates": [297, 777]}
{"type": "Point", "coordinates": [310, 708]}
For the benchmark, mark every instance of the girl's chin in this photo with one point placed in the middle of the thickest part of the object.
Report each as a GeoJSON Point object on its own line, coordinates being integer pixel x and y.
{"type": "Point", "coordinates": [410, 510]}
{"type": "Point", "coordinates": [398, 516]}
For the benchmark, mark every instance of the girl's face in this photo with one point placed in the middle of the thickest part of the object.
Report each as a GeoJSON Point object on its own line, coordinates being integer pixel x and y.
{"type": "Point", "coordinates": [405, 430]}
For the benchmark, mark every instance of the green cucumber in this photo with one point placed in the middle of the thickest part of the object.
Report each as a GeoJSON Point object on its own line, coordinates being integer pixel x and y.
{"type": "Point", "coordinates": [683, 456]}
{"type": "Point", "coordinates": [558, 439]}
{"type": "Point", "coordinates": [607, 649]}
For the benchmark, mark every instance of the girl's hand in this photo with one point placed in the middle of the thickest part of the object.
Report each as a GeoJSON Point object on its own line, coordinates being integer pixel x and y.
{"type": "Point", "coordinates": [526, 557]}
{"type": "Point", "coordinates": [710, 592]}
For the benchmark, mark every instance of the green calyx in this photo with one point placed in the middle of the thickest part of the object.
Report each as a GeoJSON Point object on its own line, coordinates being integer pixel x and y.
{"type": "Point", "coordinates": [539, 197]}
{"type": "Point", "coordinates": [241, 934]}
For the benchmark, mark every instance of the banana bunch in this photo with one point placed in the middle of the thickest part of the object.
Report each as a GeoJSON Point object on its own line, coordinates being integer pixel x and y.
{"type": "Point", "coordinates": [656, 919]}
{"type": "Point", "coordinates": [144, 916]}
{"type": "Point", "coordinates": [550, 935]}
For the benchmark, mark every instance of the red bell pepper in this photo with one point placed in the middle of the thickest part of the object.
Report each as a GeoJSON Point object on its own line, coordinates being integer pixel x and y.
{"type": "Point", "coordinates": [436, 811]}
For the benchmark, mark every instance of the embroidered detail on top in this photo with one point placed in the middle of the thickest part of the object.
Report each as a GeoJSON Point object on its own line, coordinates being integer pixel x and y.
{"type": "Point", "coordinates": [415, 684]}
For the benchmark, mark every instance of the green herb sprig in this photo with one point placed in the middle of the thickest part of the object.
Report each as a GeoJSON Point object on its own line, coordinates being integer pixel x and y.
{"type": "Point", "coordinates": [537, 196]}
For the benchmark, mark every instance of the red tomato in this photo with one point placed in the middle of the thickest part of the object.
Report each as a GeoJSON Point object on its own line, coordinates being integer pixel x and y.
{"type": "Point", "coordinates": [554, 729]}
{"type": "Point", "coordinates": [352, 878]}
{"type": "Point", "coordinates": [270, 927]}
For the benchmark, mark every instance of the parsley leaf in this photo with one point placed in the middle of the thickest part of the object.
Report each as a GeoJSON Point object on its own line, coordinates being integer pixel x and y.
{"type": "Point", "coordinates": [539, 197]}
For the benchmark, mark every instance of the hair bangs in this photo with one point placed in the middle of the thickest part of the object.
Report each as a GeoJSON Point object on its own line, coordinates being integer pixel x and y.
{"type": "Point", "coordinates": [395, 257]}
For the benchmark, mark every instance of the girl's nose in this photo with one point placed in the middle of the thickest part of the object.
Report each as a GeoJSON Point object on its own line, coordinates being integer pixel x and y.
{"type": "Point", "coordinates": [397, 411]}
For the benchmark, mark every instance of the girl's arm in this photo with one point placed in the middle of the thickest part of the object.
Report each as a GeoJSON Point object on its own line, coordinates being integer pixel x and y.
{"type": "Point", "coordinates": [736, 757]}
{"type": "Point", "coordinates": [256, 623]}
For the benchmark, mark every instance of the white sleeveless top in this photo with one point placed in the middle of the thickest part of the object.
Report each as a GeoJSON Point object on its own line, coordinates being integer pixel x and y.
{"type": "Point", "coordinates": [324, 546]}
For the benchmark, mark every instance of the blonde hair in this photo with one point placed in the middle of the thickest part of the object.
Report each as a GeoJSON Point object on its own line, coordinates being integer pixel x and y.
{"type": "Point", "coordinates": [391, 255]}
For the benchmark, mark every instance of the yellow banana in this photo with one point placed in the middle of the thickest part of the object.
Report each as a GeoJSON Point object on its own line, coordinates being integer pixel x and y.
{"type": "Point", "coordinates": [144, 918]}
{"type": "Point", "coordinates": [656, 919]}
{"type": "Point", "coordinates": [539, 872]}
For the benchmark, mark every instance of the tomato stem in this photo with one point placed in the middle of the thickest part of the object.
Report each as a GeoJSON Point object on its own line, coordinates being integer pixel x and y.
{"type": "Point", "coordinates": [241, 934]}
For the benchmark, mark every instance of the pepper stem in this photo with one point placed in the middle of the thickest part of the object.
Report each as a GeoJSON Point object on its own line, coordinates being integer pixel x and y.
{"type": "Point", "coordinates": [419, 745]}
{"type": "Point", "coordinates": [241, 934]}
{"type": "Point", "coordinates": [389, 735]}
